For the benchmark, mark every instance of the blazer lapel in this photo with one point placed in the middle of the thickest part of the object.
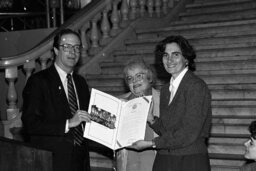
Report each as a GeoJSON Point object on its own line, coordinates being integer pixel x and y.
{"type": "Point", "coordinates": [182, 84]}
{"type": "Point", "coordinates": [59, 89]}
{"type": "Point", "coordinates": [166, 94]}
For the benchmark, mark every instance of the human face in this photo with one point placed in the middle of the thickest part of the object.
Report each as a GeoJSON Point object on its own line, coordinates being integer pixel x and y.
{"type": "Point", "coordinates": [137, 81]}
{"type": "Point", "coordinates": [250, 152]}
{"type": "Point", "coordinates": [66, 56]}
{"type": "Point", "coordinates": [173, 60]}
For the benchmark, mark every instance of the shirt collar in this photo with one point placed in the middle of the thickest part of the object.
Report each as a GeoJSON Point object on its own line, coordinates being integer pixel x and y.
{"type": "Point", "coordinates": [176, 82]}
{"type": "Point", "coordinates": [62, 73]}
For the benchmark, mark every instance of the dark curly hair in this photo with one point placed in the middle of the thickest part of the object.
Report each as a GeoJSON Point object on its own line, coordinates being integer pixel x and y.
{"type": "Point", "coordinates": [186, 49]}
{"type": "Point", "coordinates": [252, 129]}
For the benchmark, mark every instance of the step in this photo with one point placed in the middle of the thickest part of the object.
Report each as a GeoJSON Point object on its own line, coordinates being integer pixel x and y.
{"type": "Point", "coordinates": [228, 148]}
{"type": "Point", "coordinates": [227, 140]}
{"type": "Point", "coordinates": [200, 47]}
{"type": "Point", "coordinates": [226, 156]}
{"type": "Point", "coordinates": [229, 79]}
{"type": "Point", "coordinates": [197, 42]}
{"type": "Point", "coordinates": [201, 51]}
{"type": "Point", "coordinates": [224, 168]}
{"type": "Point", "coordinates": [149, 58]}
{"type": "Point", "coordinates": [206, 7]}
{"type": "Point", "coordinates": [234, 111]}
{"type": "Point", "coordinates": [208, 3]}
{"type": "Point", "coordinates": [235, 120]}
{"type": "Point", "coordinates": [218, 128]}
{"type": "Point", "coordinates": [202, 38]}
{"type": "Point", "coordinates": [229, 16]}
{"type": "Point", "coordinates": [248, 86]}
{"type": "Point", "coordinates": [233, 94]}
{"type": "Point", "coordinates": [234, 102]}
{"type": "Point", "coordinates": [232, 164]}
{"type": "Point", "coordinates": [186, 29]}
{"type": "Point", "coordinates": [216, 66]}
{"type": "Point", "coordinates": [226, 162]}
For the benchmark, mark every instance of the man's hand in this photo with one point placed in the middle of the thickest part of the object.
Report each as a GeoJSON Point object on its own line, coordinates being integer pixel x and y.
{"type": "Point", "coordinates": [79, 117]}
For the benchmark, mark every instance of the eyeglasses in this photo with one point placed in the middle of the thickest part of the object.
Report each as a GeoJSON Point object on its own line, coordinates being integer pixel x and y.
{"type": "Point", "coordinates": [70, 48]}
{"type": "Point", "coordinates": [137, 77]}
{"type": "Point", "coordinates": [174, 55]}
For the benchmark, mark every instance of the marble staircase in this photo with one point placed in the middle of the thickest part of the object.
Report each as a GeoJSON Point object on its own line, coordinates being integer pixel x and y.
{"type": "Point", "coordinates": [223, 32]}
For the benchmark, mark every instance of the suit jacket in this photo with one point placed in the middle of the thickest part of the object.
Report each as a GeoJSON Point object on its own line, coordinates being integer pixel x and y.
{"type": "Point", "coordinates": [184, 125]}
{"type": "Point", "coordinates": [249, 167]}
{"type": "Point", "coordinates": [46, 109]}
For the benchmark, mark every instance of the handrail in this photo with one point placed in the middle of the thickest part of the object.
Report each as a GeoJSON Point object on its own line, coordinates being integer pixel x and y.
{"type": "Point", "coordinates": [17, 14]}
{"type": "Point", "coordinates": [88, 11]}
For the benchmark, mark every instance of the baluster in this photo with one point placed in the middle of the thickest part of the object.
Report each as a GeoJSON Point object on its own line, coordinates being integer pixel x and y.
{"type": "Point", "coordinates": [158, 8]}
{"type": "Point", "coordinates": [13, 114]}
{"type": "Point", "coordinates": [133, 5]}
{"type": "Point", "coordinates": [124, 13]}
{"type": "Point", "coordinates": [29, 67]}
{"type": "Point", "coordinates": [105, 28]}
{"type": "Point", "coordinates": [115, 20]}
{"type": "Point", "coordinates": [11, 74]}
{"type": "Point", "coordinates": [95, 36]}
{"type": "Point", "coordinates": [85, 45]}
{"type": "Point", "coordinates": [108, 5]}
{"type": "Point", "coordinates": [150, 5]}
{"type": "Point", "coordinates": [142, 7]}
{"type": "Point", "coordinates": [165, 6]}
{"type": "Point", "coordinates": [44, 59]}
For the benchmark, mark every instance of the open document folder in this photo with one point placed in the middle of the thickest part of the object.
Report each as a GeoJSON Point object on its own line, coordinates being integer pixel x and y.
{"type": "Point", "coordinates": [116, 123]}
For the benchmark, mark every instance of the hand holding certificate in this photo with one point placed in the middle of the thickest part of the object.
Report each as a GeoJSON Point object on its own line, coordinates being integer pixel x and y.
{"type": "Point", "coordinates": [115, 123]}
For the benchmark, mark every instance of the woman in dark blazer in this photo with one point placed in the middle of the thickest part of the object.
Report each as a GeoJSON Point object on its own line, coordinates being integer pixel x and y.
{"type": "Point", "coordinates": [185, 112]}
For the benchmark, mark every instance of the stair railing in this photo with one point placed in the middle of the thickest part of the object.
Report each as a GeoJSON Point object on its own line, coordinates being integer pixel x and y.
{"type": "Point", "coordinates": [99, 23]}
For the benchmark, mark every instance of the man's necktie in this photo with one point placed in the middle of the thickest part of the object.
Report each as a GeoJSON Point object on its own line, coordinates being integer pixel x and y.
{"type": "Point", "coordinates": [76, 131]}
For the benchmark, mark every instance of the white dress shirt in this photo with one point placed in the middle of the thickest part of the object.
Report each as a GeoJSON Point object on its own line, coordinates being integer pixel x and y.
{"type": "Point", "coordinates": [174, 83]}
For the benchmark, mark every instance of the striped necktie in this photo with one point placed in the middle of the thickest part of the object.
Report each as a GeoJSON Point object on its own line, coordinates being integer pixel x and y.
{"type": "Point", "coordinates": [76, 131]}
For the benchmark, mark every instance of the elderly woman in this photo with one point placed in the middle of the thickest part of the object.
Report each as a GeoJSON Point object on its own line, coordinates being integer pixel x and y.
{"type": "Point", "coordinates": [250, 152]}
{"type": "Point", "coordinates": [140, 79]}
{"type": "Point", "coordinates": [185, 112]}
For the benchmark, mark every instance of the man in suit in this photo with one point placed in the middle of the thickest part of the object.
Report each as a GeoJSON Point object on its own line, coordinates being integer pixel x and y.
{"type": "Point", "coordinates": [185, 112]}
{"type": "Point", "coordinates": [54, 119]}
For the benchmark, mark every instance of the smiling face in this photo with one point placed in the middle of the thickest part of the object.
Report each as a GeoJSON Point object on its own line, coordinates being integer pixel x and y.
{"type": "Point", "coordinates": [67, 58]}
{"type": "Point", "coordinates": [138, 81]}
{"type": "Point", "coordinates": [173, 60]}
{"type": "Point", "coordinates": [250, 152]}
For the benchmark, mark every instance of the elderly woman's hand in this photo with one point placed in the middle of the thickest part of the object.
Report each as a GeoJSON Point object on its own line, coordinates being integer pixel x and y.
{"type": "Point", "coordinates": [151, 117]}
{"type": "Point", "coordinates": [141, 144]}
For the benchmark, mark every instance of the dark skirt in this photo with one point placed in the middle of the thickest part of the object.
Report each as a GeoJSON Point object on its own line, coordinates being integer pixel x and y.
{"type": "Point", "coordinates": [194, 162]}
